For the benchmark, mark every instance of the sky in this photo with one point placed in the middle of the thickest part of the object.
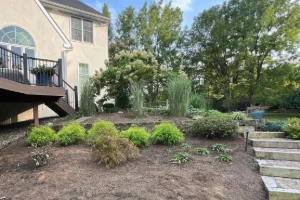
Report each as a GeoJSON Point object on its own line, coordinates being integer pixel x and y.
{"type": "Point", "coordinates": [190, 8]}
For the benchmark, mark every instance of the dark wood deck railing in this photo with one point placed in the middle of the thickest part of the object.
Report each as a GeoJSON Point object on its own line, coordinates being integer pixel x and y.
{"type": "Point", "coordinates": [36, 72]}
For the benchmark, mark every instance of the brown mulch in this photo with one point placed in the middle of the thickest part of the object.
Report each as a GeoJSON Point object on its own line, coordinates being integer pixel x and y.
{"type": "Point", "coordinates": [71, 174]}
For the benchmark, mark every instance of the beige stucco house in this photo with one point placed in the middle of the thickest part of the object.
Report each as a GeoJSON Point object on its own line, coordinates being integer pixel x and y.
{"type": "Point", "coordinates": [53, 29]}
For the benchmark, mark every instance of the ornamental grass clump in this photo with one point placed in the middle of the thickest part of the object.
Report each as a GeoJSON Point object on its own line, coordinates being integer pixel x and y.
{"type": "Point", "coordinates": [87, 105]}
{"type": "Point", "coordinates": [137, 98]}
{"type": "Point", "coordinates": [112, 150]}
{"type": "Point", "coordinates": [179, 90]}
{"type": "Point", "coordinates": [198, 101]}
{"type": "Point", "coordinates": [137, 135]}
{"type": "Point", "coordinates": [100, 128]}
{"type": "Point", "coordinates": [167, 133]}
{"type": "Point", "coordinates": [293, 128]}
{"type": "Point", "coordinates": [71, 134]}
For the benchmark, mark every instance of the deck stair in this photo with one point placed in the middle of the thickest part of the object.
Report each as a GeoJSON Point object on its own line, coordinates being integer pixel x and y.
{"type": "Point", "coordinates": [279, 162]}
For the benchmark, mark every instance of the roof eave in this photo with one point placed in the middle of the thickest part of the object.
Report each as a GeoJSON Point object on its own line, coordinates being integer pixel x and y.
{"type": "Point", "coordinates": [75, 11]}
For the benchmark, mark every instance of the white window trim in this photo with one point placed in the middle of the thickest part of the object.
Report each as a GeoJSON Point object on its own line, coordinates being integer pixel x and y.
{"type": "Point", "coordinates": [78, 73]}
{"type": "Point", "coordinates": [82, 31]}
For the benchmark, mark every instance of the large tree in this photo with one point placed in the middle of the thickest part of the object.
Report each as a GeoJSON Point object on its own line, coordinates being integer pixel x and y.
{"type": "Point", "coordinates": [106, 12]}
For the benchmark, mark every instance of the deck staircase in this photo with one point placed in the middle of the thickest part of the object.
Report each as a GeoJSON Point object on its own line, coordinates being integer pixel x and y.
{"type": "Point", "coordinates": [20, 89]}
{"type": "Point", "coordinates": [279, 162]}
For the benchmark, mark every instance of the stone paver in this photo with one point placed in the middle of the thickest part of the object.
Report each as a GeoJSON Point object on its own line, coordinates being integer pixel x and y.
{"type": "Point", "coordinates": [287, 183]}
{"type": "Point", "coordinates": [280, 163]}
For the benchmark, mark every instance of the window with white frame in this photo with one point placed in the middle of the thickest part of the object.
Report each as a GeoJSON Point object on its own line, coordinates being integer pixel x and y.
{"type": "Point", "coordinates": [82, 30]}
{"type": "Point", "coordinates": [83, 75]}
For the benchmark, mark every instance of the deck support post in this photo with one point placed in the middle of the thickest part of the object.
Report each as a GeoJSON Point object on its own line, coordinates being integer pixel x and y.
{"type": "Point", "coordinates": [76, 99]}
{"type": "Point", "coordinates": [36, 114]}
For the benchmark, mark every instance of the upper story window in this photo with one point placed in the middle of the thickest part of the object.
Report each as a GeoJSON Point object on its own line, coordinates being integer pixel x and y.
{"type": "Point", "coordinates": [82, 30]}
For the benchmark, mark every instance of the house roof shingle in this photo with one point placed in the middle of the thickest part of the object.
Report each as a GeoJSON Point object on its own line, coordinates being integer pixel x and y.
{"type": "Point", "coordinates": [77, 5]}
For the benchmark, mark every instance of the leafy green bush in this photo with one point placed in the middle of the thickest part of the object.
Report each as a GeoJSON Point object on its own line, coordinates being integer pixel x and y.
{"type": "Point", "coordinates": [214, 113]}
{"type": "Point", "coordinates": [224, 158]}
{"type": "Point", "coordinates": [113, 151]}
{"type": "Point", "coordinates": [180, 158]}
{"type": "Point", "coordinates": [201, 151]}
{"type": "Point", "coordinates": [87, 105]}
{"type": "Point", "coordinates": [137, 98]}
{"type": "Point", "coordinates": [214, 127]}
{"type": "Point", "coordinates": [293, 128]}
{"type": "Point", "coordinates": [272, 126]}
{"type": "Point", "coordinates": [101, 127]}
{"type": "Point", "coordinates": [137, 135]}
{"type": "Point", "coordinates": [71, 134]}
{"type": "Point", "coordinates": [167, 133]}
{"type": "Point", "coordinates": [179, 90]}
{"type": "Point", "coordinates": [220, 148]}
{"type": "Point", "coordinates": [41, 136]}
{"type": "Point", "coordinates": [238, 116]}
{"type": "Point", "coordinates": [198, 101]}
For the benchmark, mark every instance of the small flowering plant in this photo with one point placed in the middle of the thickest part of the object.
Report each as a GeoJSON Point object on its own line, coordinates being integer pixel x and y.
{"type": "Point", "coordinates": [42, 69]}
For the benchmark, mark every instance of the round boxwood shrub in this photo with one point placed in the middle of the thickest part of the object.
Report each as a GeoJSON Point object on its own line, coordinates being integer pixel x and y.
{"type": "Point", "coordinates": [272, 126]}
{"type": "Point", "coordinates": [71, 134]}
{"type": "Point", "coordinates": [214, 127]}
{"type": "Point", "coordinates": [99, 128]}
{"type": "Point", "coordinates": [137, 135]}
{"type": "Point", "coordinates": [167, 133]}
{"type": "Point", "coordinates": [41, 136]}
{"type": "Point", "coordinates": [293, 128]}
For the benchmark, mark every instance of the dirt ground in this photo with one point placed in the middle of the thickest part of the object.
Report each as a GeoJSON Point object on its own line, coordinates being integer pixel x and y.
{"type": "Point", "coordinates": [72, 175]}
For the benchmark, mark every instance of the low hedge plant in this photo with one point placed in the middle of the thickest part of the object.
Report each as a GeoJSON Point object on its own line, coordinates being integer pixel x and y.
{"type": "Point", "coordinates": [293, 128]}
{"type": "Point", "coordinates": [100, 128]}
{"type": "Point", "coordinates": [71, 134]}
{"type": "Point", "coordinates": [167, 133]}
{"type": "Point", "coordinates": [41, 136]}
{"type": "Point", "coordinates": [137, 135]}
{"type": "Point", "coordinates": [272, 126]}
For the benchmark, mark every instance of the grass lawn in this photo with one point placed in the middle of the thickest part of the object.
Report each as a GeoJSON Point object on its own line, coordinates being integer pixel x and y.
{"type": "Point", "coordinates": [280, 115]}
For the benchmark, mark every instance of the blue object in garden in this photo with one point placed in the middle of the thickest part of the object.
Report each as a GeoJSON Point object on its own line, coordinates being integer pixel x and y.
{"type": "Point", "coordinates": [258, 114]}
{"type": "Point", "coordinates": [43, 79]}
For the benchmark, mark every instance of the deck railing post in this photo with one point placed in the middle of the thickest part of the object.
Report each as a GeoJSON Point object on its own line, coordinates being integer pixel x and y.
{"type": "Point", "coordinates": [60, 73]}
{"type": "Point", "coordinates": [76, 99]}
{"type": "Point", "coordinates": [25, 68]}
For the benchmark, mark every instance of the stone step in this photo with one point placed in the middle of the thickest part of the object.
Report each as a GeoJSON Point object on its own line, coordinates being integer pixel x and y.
{"type": "Point", "coordinates": [282, 188]}
{"type": "Point", "coordinates": [277, 154]}
{"type": "Point", "coordinates": [276, 143]}
{"type": "Point", "coordinates": [278, 168]}
{"type": "Point", "coordinates": [258, 134]}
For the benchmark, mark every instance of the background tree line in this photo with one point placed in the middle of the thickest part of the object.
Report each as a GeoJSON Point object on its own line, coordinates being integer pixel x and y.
{"type": "Point", "coordinates": [240, 53]}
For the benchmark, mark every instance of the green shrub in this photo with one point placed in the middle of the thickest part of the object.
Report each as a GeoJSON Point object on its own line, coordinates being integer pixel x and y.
{"type": "Point", "coordinates": [87, 105]}
{"type": "Point", "coordinates": [99, 128]}
{"type": "Point", "coordinates": [201, 151]}
{"type": "Point", "coordinates": [293, 128]}
{"type": "Point", "coordinates": [224, 158]}
{"type": "Point", "coordinates": [113, 151]}
{"type": "Point", "coordinates": [41, 136]}
{"type": "Point", "coordinates": [185, 146]}
{"type": "Point", "coordinates": [220, 148]}
{"type": "Point", "coordinates": [179, 90]}
{"type": "Point", "coordinates": [137, 135]}
{"type": "Point", "coordinates": [167, 133]}
{"type": "Point", "coordinates": [180, 158]}
{"type": "Point", "coordinates": [272, 126]}
{"type": "Point", "coordinates": [136, 90]}
{"type": "Point", "coordinates": [214, 127]}
{"type": "Point", "coordinates": [71, 134]}
{"type": "Point", "coordinates": [215, 113]}
{"type": "Point", "coordinates": [238, 116]}
{"type": "Point", "coordinates": [198, 101]}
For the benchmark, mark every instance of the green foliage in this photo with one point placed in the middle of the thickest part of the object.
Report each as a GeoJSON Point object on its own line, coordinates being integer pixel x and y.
{"type": "Point", "coordinates": [215, 113]}
{"type": "Point", "coordinates": [41, 136]}
{"type": "Point", "coordinates": [238, 116]}
{"type": "Point", "coordinates": [87, 105]}
{"type": "Point", "coordinates": [180, 158]}
{"type": "Point", "coordinates": [71, 134]}
{"type": "Point", "coordinates": [137, 98]}
{"type": "Point", "coordinates": [167, 133]}
{"type": "Point", "coordinates": [220, 148]}
{"type": "Point", "coordinates": [113, 151]}
{"type": "Point", "coordinates": [106, 12]}
{"type": "Point", "coordinates": [224, 158]}
{"type": "Point", "coordinates": [158, 111]}
{"type": "Point", "coordinates": [214, 127]}
{"type": "Point", "coordinates": [201, 151]}
{"type": "Point", "coordinates": [272, 126]}
{"type": "Point", "coordinates": [101, 128]}
{"type": "Point", "coordinates": [179, 90]}
{"type": "Point", "coordinates": [293, 128]}
{"type": "Point", "coordinates": [137, 135]}
{"type": "Point", "coordinates": [185, 146]}
{"type": "Point", "coordinates": [198, 101]}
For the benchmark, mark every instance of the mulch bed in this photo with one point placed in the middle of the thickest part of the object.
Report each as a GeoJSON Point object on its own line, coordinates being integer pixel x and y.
{"type": "Point", "coordinates": [71, 174]}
